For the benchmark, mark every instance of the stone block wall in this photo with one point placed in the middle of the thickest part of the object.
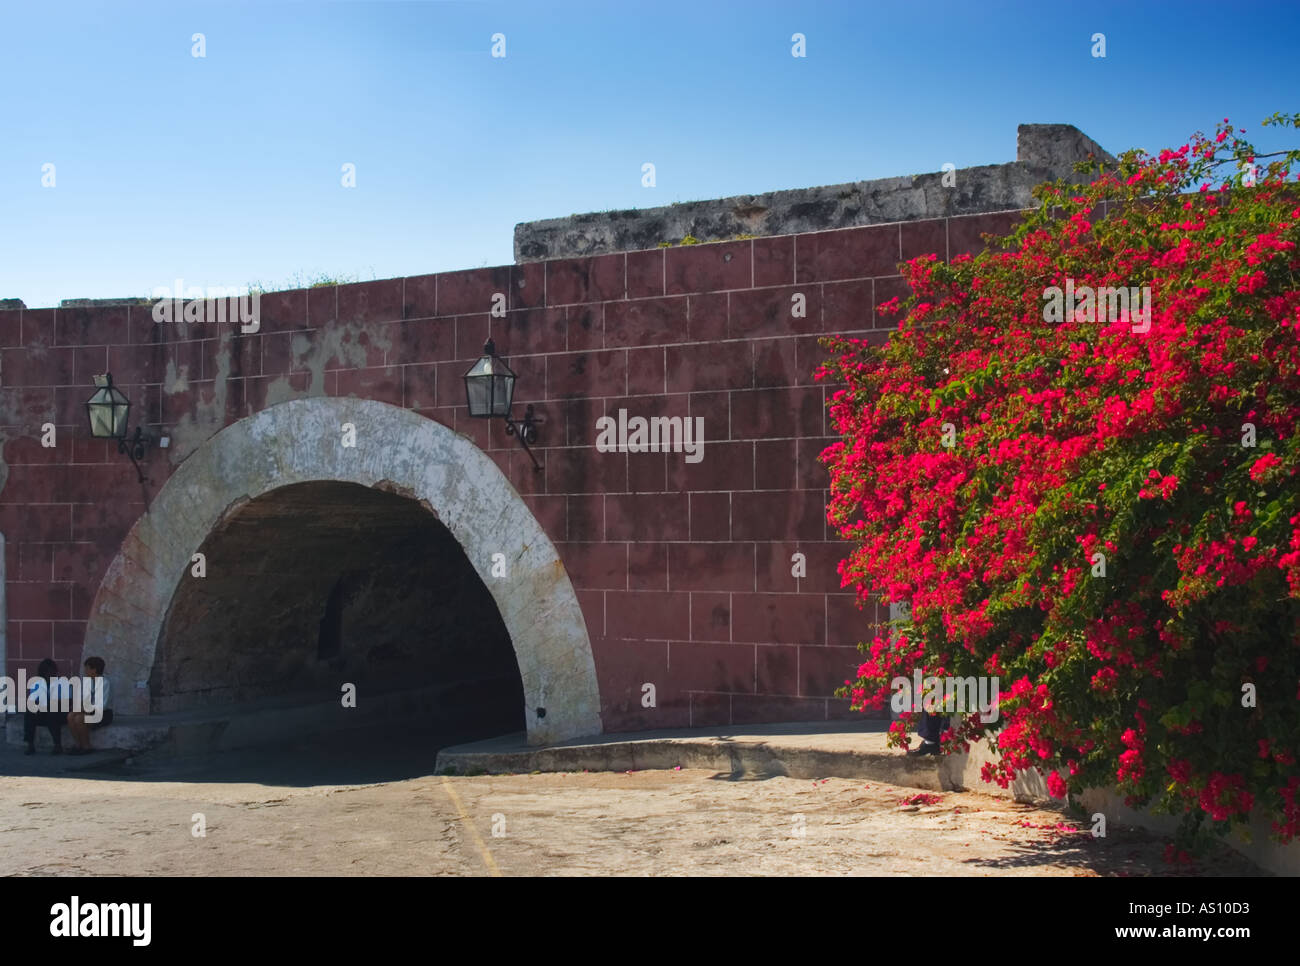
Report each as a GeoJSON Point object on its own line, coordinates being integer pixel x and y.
{"type": "Point", "coordinates": [683, 570]}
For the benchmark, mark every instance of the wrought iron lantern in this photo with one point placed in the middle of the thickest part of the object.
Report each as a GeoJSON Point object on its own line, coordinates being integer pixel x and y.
{"type": "Point", "coordinates": [108, 410]}
{"type": "Point", "coordinates": [490, 393]}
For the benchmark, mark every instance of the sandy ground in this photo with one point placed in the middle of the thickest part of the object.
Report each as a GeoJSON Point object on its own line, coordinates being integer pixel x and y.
{"type": "Point", "coordinates": [321, 812]}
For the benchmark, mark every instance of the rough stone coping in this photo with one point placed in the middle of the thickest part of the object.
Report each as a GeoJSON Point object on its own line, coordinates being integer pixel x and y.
{"type": "Point", "coordinates": [1044, 153]}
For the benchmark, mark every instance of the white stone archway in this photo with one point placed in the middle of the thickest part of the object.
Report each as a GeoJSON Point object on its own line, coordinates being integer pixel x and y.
{"type": "Point", "coordinates": [302, 441]}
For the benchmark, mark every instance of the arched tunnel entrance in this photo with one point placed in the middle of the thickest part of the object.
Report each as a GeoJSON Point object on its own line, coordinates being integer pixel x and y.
{"type": "Point", "coordinates": [324, 560]}
{"type": "Point", "coordinates": [314, 586]}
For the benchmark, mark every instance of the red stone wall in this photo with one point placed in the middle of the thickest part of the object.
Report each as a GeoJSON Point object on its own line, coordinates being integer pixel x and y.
{"type": "Point", "coordinates": [683, 570]}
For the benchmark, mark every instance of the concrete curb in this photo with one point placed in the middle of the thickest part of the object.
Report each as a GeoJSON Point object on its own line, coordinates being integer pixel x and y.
{"type": "Point", "coordinates": [794, 751]}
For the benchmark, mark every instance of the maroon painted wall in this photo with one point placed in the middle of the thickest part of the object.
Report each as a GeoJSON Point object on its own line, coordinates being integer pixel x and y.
{"type": "Point", "coordinates": [683, 570]}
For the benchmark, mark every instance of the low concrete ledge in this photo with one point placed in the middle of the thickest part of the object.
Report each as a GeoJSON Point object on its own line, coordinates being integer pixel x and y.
{"type": "Point", "coordinates": [795, 750]}
{"type": "Point", "coordinates": [126, 733]}
{"type": "Point", "coordinates": [822, 750]}
{"type": "Point", "coordinates": [963, 771]}
{"type": "Point", "coordinates": [1257, 846]}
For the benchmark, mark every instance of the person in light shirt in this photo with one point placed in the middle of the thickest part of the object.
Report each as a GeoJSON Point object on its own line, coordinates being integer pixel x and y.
{"type": "Point", "coordinates": [77, 723]}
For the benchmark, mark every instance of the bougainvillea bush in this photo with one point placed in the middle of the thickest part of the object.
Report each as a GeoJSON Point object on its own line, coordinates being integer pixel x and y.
{"type": "Point", "coordinates": [1101, 510]}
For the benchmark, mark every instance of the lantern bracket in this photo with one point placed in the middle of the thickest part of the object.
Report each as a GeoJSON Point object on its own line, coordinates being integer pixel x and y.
{"type": "Point", "coordinates": [526, 431]}
{"type": "Point", "coordinates": [134, 450]}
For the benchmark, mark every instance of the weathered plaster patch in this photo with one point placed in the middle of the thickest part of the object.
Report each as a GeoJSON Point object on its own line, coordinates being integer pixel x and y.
{"type": "Point", "coordinates": [175, 380]}
{"type": "Point", "coordinates": [311, 351]}
{"type": "Point", "coordinates": [207, 414]}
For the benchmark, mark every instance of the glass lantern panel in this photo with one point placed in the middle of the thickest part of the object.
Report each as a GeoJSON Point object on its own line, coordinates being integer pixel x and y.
{"type": "Point", "coordinates": [107, 410]}
{"type": "Point", "coordinates": [101, 420]}
{"type": "Point", "coordinates": [502, 394]}
{"type": "Point", "coordinates": [120, 412]}
{"type": "Point", "coordinates": [478, 395]}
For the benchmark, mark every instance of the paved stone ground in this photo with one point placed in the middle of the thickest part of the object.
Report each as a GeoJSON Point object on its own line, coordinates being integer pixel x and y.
{"type": "Point", "coordinates": [373, 809]}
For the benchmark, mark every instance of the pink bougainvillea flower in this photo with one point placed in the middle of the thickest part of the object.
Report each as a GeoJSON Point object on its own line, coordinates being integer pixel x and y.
{"type": "Point", "coordinates": [1098, 505]}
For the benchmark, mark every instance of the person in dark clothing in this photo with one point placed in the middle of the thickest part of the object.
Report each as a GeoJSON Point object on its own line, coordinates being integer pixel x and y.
{"type": "Point", "coordinates": [41, 689]}
{"type": "Point", "coordinates": [931, 728]}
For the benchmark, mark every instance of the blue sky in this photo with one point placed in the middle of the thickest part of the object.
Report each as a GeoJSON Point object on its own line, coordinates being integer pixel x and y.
{"type": "Point", "coordinates": [225, 170]}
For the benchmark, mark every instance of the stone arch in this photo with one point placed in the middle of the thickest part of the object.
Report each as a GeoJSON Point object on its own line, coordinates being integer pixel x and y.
{"type": "Point", "coordinates": [301, 441]}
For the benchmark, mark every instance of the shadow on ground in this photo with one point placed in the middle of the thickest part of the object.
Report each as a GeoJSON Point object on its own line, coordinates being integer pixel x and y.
{"type": "Point", "coordinates": [360, 757]}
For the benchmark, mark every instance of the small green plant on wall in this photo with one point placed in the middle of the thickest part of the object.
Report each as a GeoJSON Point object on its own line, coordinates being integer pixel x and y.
{"type": "Point", "coordinates": [692, 240]}
{"type": "Point", "coordinates": [302, 280]}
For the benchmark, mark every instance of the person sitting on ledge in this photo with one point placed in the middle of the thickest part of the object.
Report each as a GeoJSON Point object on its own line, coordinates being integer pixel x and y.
{"type": "Point", "coordinates": [77, 723]}
{"type": "Point", "coordinates": [44, 692]}
{"type": "Point", "coordinates": [930, 731]}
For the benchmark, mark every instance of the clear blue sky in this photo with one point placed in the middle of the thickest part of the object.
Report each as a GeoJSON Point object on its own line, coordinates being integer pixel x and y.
{"type": "Point", "coordinates": [225, 170]}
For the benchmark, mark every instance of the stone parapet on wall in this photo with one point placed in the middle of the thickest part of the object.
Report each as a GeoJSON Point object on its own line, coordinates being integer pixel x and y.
{"type": "Point", "coordinates": [1044, 152]}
